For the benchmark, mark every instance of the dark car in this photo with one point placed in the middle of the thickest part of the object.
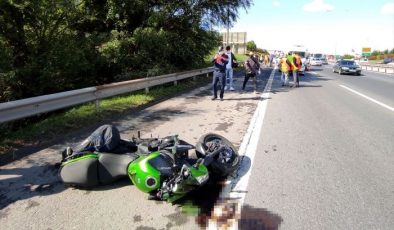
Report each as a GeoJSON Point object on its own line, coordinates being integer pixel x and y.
{"type": "Point", "coordinates": [346, 66]}
{"type": "Point", "coordinates": [387, 60]}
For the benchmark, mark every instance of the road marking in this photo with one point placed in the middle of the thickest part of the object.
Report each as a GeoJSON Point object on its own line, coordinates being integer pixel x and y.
{"type": "Point", "coordinates": [236, 188]}
{"type": "Point", "coordinates": [369, 98]}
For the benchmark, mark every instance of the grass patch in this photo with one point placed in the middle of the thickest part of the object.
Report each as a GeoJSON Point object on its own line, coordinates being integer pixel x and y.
{"type": "Point", "coordinates": [241, 57]}
{"type": "Point", "coordinates": [84, 115]}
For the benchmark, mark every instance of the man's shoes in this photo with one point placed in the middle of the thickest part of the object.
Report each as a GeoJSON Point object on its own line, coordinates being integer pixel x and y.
{"type": "Point", "coordinates": [226, 87]}
{"type": "Point", "coordinates": [232, 89]}
{"type": "Point", "coordinates": [213, 98]}
{"type": "Point", "coordinates": [221, 99]}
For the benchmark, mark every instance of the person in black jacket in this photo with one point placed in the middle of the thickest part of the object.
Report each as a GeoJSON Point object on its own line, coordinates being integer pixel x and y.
{"type": "Point", "coordinates": [220, 61]}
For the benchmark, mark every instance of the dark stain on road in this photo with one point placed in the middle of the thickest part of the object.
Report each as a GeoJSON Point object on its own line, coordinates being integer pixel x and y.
{"type": "Point", "coordinates": [169, 225]}
{"type": "Point", "coordinates": [145, 228]}
{"type": "Point", "coordinates": [203, 93]}
{"type": "Point", "coordinates": [31, 204]}
{"type": "Point", "coordinates": [137, 218]}
{"type": "Point", "coordinates": [224, 126]}
{"type": "Point", "coordinates": [242, 105]}
{"type": "Point", "coordinates": [178, 218]}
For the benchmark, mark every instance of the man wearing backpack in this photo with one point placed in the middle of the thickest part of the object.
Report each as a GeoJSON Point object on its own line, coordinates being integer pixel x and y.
{"type": "Point", "coordinates": [232, 61]}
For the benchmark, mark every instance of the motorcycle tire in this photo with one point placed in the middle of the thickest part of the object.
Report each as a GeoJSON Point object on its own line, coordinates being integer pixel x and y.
{"type": "Point", "coordinates": [219, 167]}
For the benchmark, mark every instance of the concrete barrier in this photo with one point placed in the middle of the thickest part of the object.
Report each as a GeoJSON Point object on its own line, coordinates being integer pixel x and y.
{"type": "Point", "coordinates": [380, 68]}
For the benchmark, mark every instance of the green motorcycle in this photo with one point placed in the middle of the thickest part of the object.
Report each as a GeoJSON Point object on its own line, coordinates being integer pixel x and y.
{"type": "Point", "coordinates": [165, 168]}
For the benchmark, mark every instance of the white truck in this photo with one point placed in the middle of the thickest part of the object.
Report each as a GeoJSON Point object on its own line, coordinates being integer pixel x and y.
{"type": "Point", "coordinates": [303, 53]}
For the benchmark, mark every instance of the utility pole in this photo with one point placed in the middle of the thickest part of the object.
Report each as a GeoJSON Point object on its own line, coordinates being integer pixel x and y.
{"type": "Point", "coordinates": [228, 26]}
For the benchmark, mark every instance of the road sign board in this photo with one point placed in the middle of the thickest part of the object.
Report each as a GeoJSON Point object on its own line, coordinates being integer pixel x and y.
{"type": "Point", "coordinates": [366, 51]}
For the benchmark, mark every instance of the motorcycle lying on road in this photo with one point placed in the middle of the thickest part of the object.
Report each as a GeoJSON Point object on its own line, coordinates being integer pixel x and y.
{"type": "Point", "coordinates": [165, 168]}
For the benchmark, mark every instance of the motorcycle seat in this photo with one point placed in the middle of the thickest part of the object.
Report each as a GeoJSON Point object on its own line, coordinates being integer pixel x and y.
{"type": "Point", "coordinates": [113, 166]}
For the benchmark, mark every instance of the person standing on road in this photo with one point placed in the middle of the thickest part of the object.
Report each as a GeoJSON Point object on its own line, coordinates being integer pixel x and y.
{"type": "Point", "coordinates": [256, 60]}
{"type": "Point", "coordinates": [293, 68]}
{"type": "Point", "coordinates": [220, 61]}
{"type": "Point", "coordinates": [284, 66]}
{"type": "Point", "coordinates": [251, 68]}
{"type": "Point", "coordinates": [298, 64]}
{"type": "Point", "coordinates": [229, 68]}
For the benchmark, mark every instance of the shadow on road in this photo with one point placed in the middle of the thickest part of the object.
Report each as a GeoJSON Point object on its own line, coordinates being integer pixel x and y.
{"type": "Point", "coordinates": [24, 183]}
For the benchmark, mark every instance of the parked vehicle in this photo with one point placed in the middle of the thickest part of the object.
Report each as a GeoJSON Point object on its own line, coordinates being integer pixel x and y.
{"type": "Point", "coordinates": [324, 61]}
{"type": "Point", "coordinates": [315, 62]}
{"type": "Point", "coordinates": [387, 60]}
{"type": "Point", "coordinates": [161, 167]}
{"type": "Point", "coordinates": [346, 66]}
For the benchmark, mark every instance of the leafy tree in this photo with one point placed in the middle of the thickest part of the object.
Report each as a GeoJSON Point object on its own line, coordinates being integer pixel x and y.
{"type": "Point", "coordinates": [348, 56]}
{"type": "Point", "coordinates": [250, 45]}
{"type": "Point", "coordinates": [48, 46]}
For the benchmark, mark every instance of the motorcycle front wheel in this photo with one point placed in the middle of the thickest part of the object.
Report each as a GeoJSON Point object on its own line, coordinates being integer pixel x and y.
{"type": "Point", "coordinates": [226, 162]}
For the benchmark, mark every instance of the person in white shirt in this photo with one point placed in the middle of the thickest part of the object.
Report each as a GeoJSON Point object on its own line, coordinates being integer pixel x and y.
{"type": "Point", "coordinates": [229, 69]}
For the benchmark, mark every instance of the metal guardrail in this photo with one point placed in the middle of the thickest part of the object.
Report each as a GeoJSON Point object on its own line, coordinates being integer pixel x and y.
{"type": "Point", "coordinates": [18, 109]}
{"type": "Point", "coordinates": [381, 68]}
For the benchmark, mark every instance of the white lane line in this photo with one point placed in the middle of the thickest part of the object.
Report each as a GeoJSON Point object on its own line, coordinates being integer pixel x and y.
{"type": "Point", "coordinates": [236, 187]}
{"type": "Point", "coordinates": [369, 98]}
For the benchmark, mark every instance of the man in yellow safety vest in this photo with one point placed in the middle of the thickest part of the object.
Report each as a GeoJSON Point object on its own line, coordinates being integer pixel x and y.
{"type": "Point", "coordinates": [284, 66]}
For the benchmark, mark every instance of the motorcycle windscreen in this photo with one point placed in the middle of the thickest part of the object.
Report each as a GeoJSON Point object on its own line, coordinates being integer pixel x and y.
{"type": "Point", "coordinates": [81, 171]}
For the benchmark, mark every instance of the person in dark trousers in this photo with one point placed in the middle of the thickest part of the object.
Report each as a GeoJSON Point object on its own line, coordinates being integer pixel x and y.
{"type": "Point", "coordinates": [251, 68]}
{"type": "Point", "coordinates": [229, 68]}
{"type": "Point", "coordinates": [219, 74]}
{"type": "Point", "coordinates": [298, 64]}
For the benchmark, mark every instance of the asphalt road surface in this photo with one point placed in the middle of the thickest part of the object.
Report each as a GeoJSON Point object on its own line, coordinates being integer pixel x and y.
{"type": "Point", "coordinates": [325, 158]}
{"type": "Point", "coordinates": [32, 196]}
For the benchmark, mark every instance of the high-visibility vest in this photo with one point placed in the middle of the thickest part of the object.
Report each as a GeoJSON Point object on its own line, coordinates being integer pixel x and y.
{"type": "Point", "coordinates": [293, 67]}
{"type": "Point", "coordinates": [284, 67]}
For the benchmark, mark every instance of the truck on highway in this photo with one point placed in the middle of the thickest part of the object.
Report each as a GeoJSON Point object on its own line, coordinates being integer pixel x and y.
{"type": "Point", "coordinates": [303, 53]}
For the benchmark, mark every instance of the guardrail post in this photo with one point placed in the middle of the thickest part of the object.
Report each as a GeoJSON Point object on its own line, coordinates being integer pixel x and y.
{"type": "Point", "coordinates": [97, 102]}
{"type": "Point", "coordinates": [175, 83]}
{"type": "Point", "coordinates": [207, 74]}
{"type": "Point", "coordinates": [194, 78]}
{"type": "Point", "coordinates": [147, 90]}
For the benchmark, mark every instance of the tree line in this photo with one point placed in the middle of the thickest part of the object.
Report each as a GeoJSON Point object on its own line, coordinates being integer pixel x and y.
{"type": "Point", "coordinates": [49, 46]}
{"type": "Point", "coordinates": [378, 55]}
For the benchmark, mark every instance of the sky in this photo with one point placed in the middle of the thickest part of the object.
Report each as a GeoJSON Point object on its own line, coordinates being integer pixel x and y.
{"type": "Point", "coordinates": [321, 26]}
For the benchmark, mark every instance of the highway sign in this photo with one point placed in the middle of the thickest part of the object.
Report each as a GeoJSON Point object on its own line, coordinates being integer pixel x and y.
{"type": "Point", "coordinates": [366, 51]}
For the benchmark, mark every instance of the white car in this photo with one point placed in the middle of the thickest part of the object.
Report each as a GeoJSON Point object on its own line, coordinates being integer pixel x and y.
{"type": "Point", "coordinates": [316, 61]}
